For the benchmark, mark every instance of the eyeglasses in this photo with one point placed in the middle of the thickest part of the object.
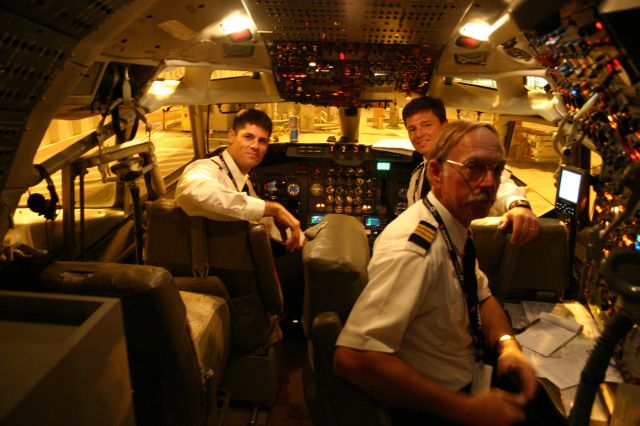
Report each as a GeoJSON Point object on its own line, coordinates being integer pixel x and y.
{"type": "Point", "coordinates": [475, 170]}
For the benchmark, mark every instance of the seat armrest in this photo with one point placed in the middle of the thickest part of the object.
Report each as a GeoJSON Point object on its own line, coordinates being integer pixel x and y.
{"type": "Point", "coordinates": [349, 405]}
{"type": "Point", "coordinates": [268, 282]}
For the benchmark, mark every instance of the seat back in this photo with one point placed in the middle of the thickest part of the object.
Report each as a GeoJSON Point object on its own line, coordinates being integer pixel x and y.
{"type": "Point", "coordinates": [490, 243]}
{"type": "Point", "coordinates": [335, 266]}
{"type": "Point", "coordinates": [238, 252]}
{"type": "Point", "coordinates": [168, 386]}
{"type": "Point", "coordinates": [537, 270]}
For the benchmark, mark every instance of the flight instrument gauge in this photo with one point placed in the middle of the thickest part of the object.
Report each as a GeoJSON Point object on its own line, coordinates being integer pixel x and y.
{"type": "Point", "coordinates": [316, 189]}
{"type": "Point", "coordinates": [399, 208]}
{"type": "Point", "coordinates": [293, 189]}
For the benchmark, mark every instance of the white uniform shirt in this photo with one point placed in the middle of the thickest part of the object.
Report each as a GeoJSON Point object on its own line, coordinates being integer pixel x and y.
{"type": "Point", "coordinates": [413, 304]}
{"type": "Point", "coordinates": [508, 191]}
{"type": "Point", "coordinates": [206, 189]}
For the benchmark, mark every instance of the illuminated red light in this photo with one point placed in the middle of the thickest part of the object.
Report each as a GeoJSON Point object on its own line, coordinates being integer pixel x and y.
{"type": "Point", "coordinates": [599, 25]}
{"type": "Point", "coordinates": [617, 63]}
{"type": "Point", "coordinates": [240, 36]}
{"type": "Point", "coordinates": [467, 42]}
{"type": "Point", "coordinates": [342, 56]}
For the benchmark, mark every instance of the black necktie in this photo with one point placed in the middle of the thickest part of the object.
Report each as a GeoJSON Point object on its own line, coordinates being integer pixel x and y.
{"type": "Point", "coordinates": [245, 189]}
{"type": "Point", "coordinates": [471, 292]}
{"type": "Point", "coordinates": [426, 186]}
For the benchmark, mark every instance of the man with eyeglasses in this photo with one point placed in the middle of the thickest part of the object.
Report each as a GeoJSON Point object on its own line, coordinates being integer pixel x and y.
{"type": "Point", "coordinates": [424, 117]}
{"type": "Point", "coordinates": [415, 336]}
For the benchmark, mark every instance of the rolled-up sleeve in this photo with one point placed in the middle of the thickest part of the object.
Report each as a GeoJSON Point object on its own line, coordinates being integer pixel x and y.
{"type": "Point", "coordinates": [508, 192]}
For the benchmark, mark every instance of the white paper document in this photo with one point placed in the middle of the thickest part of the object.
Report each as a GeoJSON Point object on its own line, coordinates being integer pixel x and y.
{"type": "Point", "coordinates": [550, 333]}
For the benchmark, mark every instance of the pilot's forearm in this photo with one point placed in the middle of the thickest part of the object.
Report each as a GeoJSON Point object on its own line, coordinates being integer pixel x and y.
{"type": "Point", "coordinates": [390, 380]}
{"type": "Point", "coordinates": [508, 192]}
{"type": "Point", "coordinates": [494, 320]}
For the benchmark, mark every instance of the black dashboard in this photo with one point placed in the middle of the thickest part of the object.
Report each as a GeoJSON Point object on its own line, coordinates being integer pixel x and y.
{"type": "Point", "coordinates": [314, 179]}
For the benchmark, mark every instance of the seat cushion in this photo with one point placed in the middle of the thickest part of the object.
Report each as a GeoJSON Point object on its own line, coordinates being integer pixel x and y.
{"type": "Point", "coordinates": [208, 318]}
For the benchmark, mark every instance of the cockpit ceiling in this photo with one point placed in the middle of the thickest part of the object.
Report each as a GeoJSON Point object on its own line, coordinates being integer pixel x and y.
{"type": "Point", "coordinates": [340, 52]}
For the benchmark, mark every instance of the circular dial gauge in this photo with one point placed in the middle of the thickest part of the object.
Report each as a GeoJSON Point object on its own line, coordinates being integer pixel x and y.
{"type": "Point", "coordinates": [293, 189]}
{"type": "Point", "coordinates": [316, 189]}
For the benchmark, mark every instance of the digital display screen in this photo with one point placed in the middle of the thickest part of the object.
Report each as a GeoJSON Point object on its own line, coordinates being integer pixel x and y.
{"type": "Point", "coordinates": [372, 221]}
{"type": "Point", "coordinates": [569, 185]}
{"type": "Point", "coordinates": [316, 218]}
{"type": "Point", "coordinates": [383, 166]}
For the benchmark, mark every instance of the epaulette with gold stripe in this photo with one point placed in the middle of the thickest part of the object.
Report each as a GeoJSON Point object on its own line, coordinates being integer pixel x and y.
{"type": "Point", "coordinates": [423, 235]}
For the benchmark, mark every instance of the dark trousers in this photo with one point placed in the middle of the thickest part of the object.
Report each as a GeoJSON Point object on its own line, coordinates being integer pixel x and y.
{"type": "Point", "coordinates": [539, 412]}
{"type": "Point", "coordinates": [403, 417]}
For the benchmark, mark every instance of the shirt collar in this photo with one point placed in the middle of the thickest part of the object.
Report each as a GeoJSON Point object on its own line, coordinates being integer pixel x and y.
{"type": "Point", "coordinates": [238, 176]}
{"type": "Point", "coordinates": [456, 230]}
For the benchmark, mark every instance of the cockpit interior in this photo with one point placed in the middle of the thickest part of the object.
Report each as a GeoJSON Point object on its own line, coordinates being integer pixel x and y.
{"type": "Point", "coordinates": [111, 295]}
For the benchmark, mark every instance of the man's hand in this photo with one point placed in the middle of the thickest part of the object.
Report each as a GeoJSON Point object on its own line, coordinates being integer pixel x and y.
{"type": "Point", "coordinates": [493, 407]}
{"type": "Point", "coordinates": [524, 223]}
{"type": "Point", "coordinates": [283, 221]}
{"type": "Point", "coordinates": [512, 362]}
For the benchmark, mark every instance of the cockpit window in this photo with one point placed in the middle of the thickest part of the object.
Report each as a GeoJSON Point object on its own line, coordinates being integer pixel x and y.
{"type": "Point", "coordinates": [480, 82]}
{"type": "Point", "coordinates": [535, 83]}
{"type": "Point", "coordinates": [60, 135]}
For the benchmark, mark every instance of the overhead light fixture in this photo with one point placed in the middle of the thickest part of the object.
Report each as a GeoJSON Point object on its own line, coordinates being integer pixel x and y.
{"type": "Point", "coordinates": [237, 27]}
{"type": "Point", "coordinates": [478, 30]}
{"type": "Point", "coordinates": [162, 89]}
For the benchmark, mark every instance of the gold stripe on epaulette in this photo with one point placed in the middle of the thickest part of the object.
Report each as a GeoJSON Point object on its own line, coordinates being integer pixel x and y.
{"type": "Point", "coordinates": [425, 232]}
{"type": "Point", "coordinates": [423, 235]}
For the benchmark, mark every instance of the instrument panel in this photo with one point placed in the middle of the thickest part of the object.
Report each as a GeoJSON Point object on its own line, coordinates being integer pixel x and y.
{"type": "Point", "coordinates": [312, 180]}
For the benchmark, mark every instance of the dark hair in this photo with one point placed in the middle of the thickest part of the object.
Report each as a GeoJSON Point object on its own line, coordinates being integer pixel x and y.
{"type": "Point", "coordinates": [452, 133]}
{"type": "Point", "coordinates": [425, 103]}
{"type": "Point", "coordinates": [252, 116]}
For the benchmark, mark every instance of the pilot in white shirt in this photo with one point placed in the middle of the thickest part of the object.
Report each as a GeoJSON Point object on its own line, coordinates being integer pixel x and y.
{"type": "Point", "coordinates": [213, 187]}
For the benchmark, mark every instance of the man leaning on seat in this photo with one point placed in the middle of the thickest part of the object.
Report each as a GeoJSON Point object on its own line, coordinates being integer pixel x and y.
{"type": "Point", "coordinates": [423, 118]}
{"type": "Point", "coordinates": [219, 188]}
{"type": "Point", "coordinates": [414, 336]}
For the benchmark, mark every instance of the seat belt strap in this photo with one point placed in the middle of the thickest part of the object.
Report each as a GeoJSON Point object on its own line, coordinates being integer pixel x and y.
{"type": "Point", "coordinates": [199, 255]}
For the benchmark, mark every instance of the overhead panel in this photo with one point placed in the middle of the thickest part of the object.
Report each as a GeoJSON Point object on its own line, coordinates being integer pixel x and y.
{"type": "Point", "coordinates": [74, 18]}
{"type": "Point", "coordinates": [37, 38]}
{"type": "Point", "coordinates": [340, 52]}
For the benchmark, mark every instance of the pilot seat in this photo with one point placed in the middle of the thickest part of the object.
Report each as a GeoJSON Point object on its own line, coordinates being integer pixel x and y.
{"type": "Point", "coordinates": [177, 342]}
{"type": "Point", "coordinates": [335, 267]}
{"type": "Point", "coordinates": [536, 270]}
{"type": "Point", "coordinates": [239, 254]}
